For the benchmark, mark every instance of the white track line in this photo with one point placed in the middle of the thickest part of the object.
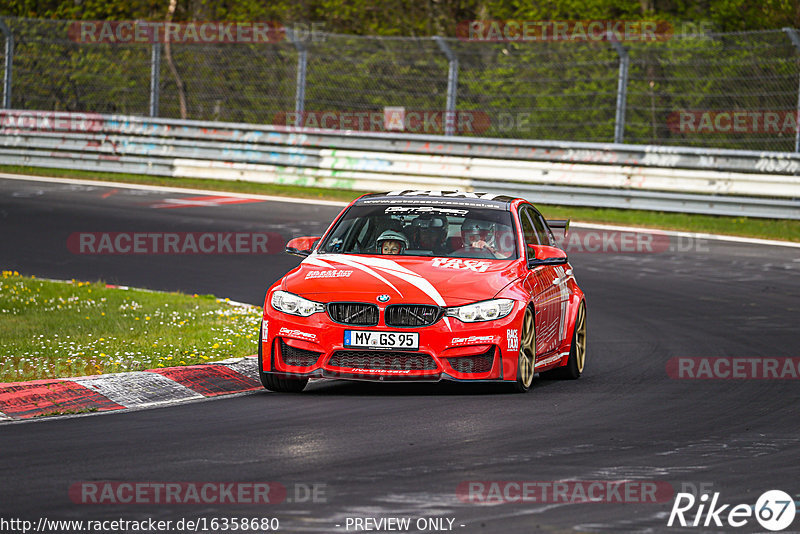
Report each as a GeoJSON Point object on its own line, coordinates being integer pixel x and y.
{"type": "Point", "coordinates": [167, 189]}
{"type": "Point", "coordinates": [718, 237]}
{"type": "Point", "coordinates": [120, 185]}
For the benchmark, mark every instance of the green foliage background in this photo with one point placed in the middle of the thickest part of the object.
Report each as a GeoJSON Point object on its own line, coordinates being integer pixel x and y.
{"type": "Point", "coordinates": [725, 55]}
{"type": "Point", "coordinates": [422, 17]}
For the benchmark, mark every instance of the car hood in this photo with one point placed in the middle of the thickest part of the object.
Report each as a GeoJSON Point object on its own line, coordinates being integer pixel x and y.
{"type": "Point", "coordinates": [441, 281]}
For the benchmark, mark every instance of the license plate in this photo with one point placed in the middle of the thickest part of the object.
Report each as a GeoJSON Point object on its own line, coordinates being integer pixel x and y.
{"type": "Point", "coordinates": [369, 339]}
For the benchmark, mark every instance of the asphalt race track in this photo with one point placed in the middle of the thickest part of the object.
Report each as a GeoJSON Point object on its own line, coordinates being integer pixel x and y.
{"type": "Point", "coordinates": [375, 450]}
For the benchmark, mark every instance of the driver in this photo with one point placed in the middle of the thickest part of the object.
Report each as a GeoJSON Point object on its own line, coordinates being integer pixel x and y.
{"type": "Point", "coordinates": [391, 242]}
{"type": "Point", "coordinates": [429, 232]}
{"type": "Point", "coordinates": [478, 234]}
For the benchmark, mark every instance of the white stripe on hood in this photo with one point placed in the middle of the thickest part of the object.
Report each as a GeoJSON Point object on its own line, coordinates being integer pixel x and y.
{"type": "Point", "coordinates": [389, 267]}
{"type": "Point", "coordinates": [311, 260]}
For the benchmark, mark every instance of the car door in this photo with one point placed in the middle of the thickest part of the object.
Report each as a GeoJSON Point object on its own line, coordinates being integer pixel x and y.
{"type": "Point", "coordinates": [562, 274]}
{"type": "Point", "coordinates": [542, 283]}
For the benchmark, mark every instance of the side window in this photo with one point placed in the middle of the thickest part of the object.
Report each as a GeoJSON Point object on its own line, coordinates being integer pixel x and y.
{"type": "Point", "coordinates": [553, 241]}
{"type": "Point", "coordinates": [544, 233]}
{"type": "Point", "coordinates": [365, 235]}
{"type": "Point", "coordinates": [528, 230]}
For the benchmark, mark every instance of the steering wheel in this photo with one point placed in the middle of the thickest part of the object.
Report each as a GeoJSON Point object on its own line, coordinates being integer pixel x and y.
{"type": "Point", "coordinates": [471, 252]}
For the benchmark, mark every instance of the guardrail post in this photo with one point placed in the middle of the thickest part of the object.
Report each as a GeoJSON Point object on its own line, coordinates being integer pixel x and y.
{"type": "Point", "coordinates": [792, 33]}
{"type": "Point", "coordinates": [9, 58]}
{"type": "Point", "coordinates": [622, 88]}
{"type": "Point", "coordinates": [302, 64]}
{"type": "Point", "coordinates": [155, 78]}
{"type": "Point", "coordinates": [452, 86]}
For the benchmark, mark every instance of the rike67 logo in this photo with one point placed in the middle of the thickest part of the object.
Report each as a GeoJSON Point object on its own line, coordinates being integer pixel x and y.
{"type": "Point", "coordinates": [774, 510]}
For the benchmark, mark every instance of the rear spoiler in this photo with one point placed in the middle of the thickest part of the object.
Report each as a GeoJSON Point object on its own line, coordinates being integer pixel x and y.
{"type": "Point", "coordinates": [559, 223]}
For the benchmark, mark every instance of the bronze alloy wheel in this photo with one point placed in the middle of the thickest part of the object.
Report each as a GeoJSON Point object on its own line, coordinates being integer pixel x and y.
{"type": "Point", "coordinates": [527, 353]}
{"type": "Point", "coordinates": [577, 351]}
{"type": "Point", "coordinates": [580, 338]}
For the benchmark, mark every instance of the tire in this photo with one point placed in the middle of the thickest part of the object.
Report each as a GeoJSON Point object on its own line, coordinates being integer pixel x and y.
{"type": "Point", "coordinates": [276, 382]}
{"type": "Point", "coordinates": [527, 353]}
{"type": "Point", "coordinates": [577, 351]}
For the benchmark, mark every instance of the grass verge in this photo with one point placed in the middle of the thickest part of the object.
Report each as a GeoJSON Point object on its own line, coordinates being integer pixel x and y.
{"type": "Point", "coordinates": [61, 329]}
{"type": "Point", "coordinates": [780, 229]}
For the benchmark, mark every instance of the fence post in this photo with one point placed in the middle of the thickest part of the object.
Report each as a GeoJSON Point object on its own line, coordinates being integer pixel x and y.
{"type": "Point", "coordinates": [622, 88]}
{"type": "Point", "coordinates": [9, 58]}
{"type": "Point", "coordinates": [452, 86]}
{"type": "Point", "coordinates": [792, 33]}
{"type": "Point", "coordinates": [155, 78]}
{"type": "Point", "coordinates": [302, 64]}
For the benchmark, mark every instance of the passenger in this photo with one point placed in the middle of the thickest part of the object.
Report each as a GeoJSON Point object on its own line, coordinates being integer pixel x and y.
{"type": "Point", "coordinates": [392, 242]}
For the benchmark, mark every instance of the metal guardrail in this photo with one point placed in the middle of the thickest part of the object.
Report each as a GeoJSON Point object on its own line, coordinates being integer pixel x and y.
{"type": "Point", "coordinates": [710, 181]}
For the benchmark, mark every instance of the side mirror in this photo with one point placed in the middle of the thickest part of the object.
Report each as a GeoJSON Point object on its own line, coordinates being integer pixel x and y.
{"type": "Point", "coordinates": [539, 255]}
{"type": "Point", "coordinates": [301, 246]}
{"type": "Point", "coordinates": [559, 223]}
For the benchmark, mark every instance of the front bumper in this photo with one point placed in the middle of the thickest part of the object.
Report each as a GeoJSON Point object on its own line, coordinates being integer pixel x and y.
{"type": "Point", "coordinates": [448, 349]}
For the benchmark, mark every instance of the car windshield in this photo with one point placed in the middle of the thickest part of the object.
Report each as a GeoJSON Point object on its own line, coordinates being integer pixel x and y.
{"type": "Point", "coordinates": [457, 231]}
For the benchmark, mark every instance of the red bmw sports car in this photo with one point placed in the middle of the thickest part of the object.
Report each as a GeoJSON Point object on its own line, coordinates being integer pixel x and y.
{"type": "Point", "coordinates": [426, 286]}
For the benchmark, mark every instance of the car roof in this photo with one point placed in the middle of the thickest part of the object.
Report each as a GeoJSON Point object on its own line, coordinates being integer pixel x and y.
{"type": "Point", "coordinates": [461, 198]}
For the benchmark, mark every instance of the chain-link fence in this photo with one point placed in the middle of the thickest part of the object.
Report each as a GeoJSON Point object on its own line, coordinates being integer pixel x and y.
{"type": "Point", "coordinates": [736, 90]}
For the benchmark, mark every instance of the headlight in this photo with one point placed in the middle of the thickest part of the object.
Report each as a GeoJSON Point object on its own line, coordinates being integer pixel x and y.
{"type": "Point", "coordinates": [488, 310]}
{"type": "Point", "coordinates": [295, 305]}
